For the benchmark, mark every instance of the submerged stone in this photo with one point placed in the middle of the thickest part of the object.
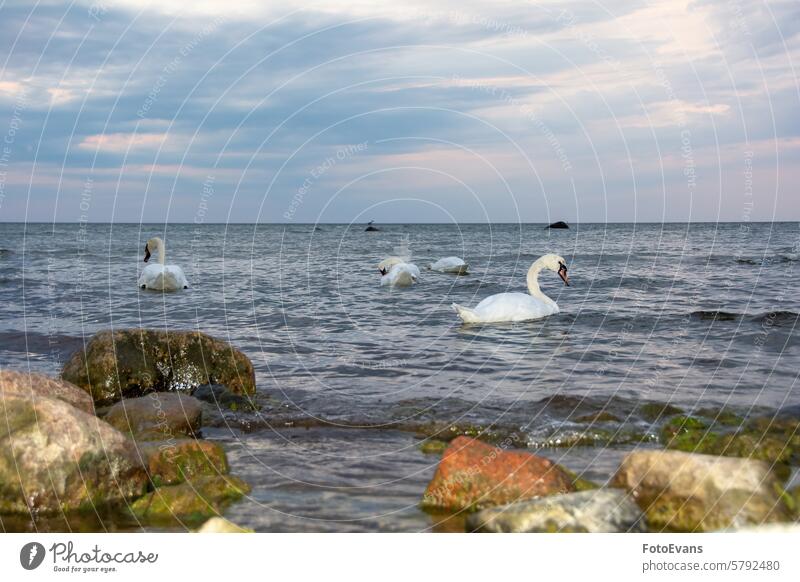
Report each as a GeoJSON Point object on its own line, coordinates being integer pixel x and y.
{"type": "Point", "coordinates": [680, 491]}
{"type": "Point", "coordinates": [133, 362]}
{"type": "Point", "coordinates": [654, 411]}
{"type": "Point", "coordinates": [433, 447]}
{"type": "Point", "coordinates": [601, 510]}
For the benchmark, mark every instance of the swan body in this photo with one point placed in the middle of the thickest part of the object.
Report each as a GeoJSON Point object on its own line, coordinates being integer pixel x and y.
{"type": "Point", "coordinates": [158, 276]}
{"type": "Point", "coordinates": [401, 275]}
{"type": "Point", "coordinates": [518, 306]}
{"type": "Point", "coordinates": [455, 265]}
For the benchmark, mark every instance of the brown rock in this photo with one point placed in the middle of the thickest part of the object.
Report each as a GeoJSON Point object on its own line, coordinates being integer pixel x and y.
{"type": "Point", "coordinates": [680, 491]}
{"type": "Point", "coordinates": [34, 385]}
{"type": "Point", "coordinates": [133, 362]}
{"type": "Point", "coordinates": [473, 475]}
{"type": "Point", "coordinates": [158, 416]}
{"type": "Point", "coordinates": [174, 461]}
{"type": "Point", "coordinates": [55, 458]}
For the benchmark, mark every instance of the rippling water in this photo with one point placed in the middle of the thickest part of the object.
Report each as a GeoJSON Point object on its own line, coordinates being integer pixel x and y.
{"type": "Point", "coordinates": [696, 315]}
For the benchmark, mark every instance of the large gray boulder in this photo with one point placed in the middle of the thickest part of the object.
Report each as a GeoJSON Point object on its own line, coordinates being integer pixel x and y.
{"type": "Point", "coordinates": [38, 385]}
{"type": "Point", "coordinates": [680, 491]}
{"type": "Point", "coordinates": [55, 458]}
{"type": "Point", "coordinates": [598, 510]}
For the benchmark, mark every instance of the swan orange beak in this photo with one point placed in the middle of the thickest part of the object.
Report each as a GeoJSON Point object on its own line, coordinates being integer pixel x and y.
{"type": "Point", "coordinates": [562, 272]}
{"type": "Point", "coordinates": [146, 253]}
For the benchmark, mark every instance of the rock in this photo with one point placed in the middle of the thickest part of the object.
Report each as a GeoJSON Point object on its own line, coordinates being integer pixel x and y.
{"type": "Point", "coordinates": [655, 411]}
{"type": "Point", "coordinates": [157, 416]}
{"type": "Point", "coordinates": [559, 224]}
{"type": "Point", "coordinates": [221, 525]}
{"type": "Point", "coordinates": [688, 492]}
{"type": "Point", "coordinates": [433, 446]}
{"type": "Point", "coordinates": [55, 458]}
{"type": "Point", "coordinates": [133, 362]}
{"type": "Point", "coordinates": [776, 445]}
{"type": "Point", "coordinates": [220, 396]}
{"type": "Point", "coordinates": [173, 462]}
{"type": "Point", "coordinates": [601, 510]}
{"type": "Point", "coordinates": [473, 475]}
{"type": "Point", "coordinates": [191, 501]}
{"type": "Point", "coordinates": [770, 528]}
{"type": "Point", "coordinates": [601, 416]}
{"type": "Point", "coordinates": [31, 384]}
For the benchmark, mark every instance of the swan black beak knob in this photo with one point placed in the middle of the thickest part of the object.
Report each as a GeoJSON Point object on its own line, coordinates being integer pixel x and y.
{"type": "Point", "coordinates": [146, 253]}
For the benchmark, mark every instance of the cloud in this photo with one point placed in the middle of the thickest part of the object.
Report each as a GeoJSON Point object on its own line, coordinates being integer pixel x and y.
{"type": "Point", "coordinates": [164, 93]}
{"type": "Point", "coordinates": [122, 142]}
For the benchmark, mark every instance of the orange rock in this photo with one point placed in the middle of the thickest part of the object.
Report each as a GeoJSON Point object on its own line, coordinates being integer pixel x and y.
{"type": "Point", "coordinates": [473, 475]}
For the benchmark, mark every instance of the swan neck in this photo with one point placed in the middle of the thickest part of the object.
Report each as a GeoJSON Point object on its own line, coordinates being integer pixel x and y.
{"type": "Point", "coordinates": [533, 282]}
{"type": "Point", "coordinates": [161, 252]}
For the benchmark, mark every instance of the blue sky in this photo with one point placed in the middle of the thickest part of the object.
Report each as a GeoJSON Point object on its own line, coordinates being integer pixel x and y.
{"type": "Point", "coordinates": [400, 112]}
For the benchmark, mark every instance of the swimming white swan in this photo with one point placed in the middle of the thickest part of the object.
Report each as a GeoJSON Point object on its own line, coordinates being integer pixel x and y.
{"type": "Point", "coordinates": [518, 306]}
{"type": "Point", "coordinates": [396, 272]}
{"type": "Point", "coordinates": [455, 265]}
{"type": "Point", "coordinates": [161, 277]}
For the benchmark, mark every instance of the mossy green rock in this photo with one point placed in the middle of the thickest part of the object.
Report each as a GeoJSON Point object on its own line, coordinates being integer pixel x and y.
{"type": "Point", "coordinates": [175, 461]}
{"type": "Point", "coordinates": [133, 362]}
{"type": "Point", "coordinates": [433, 447]}
{"type": "Point", "coordinates": [687, 492]}
{"type": "Point", "coordinates": [55, 458]}
{"type": "Point", "coordinates": [653, 411]}
{"type": "Point", "coordinates": [191, 501]}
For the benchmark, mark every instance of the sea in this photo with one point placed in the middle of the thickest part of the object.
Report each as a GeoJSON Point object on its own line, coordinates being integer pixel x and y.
{"type": "Point", "coordinates": [693, 315]}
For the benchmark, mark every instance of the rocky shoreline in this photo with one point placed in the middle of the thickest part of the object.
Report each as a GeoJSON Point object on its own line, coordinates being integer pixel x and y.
{"type": "Point", "coordinates": [118, 439]}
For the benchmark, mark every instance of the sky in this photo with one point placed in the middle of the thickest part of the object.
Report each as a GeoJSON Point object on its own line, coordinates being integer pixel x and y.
{"type": "Point", "coordinates": [414, 111]}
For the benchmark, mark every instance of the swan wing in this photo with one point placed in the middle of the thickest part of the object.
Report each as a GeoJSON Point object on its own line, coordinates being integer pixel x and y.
{"type": "Point", "coordinates": [163, 278]}
{"type": "Point", "coordinates": [513, 307]}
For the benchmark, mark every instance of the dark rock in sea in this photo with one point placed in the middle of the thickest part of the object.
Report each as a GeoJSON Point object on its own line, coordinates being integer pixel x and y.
{"type": "Point", "coordinates": [157, 416]}
{"type": "Point", "coordinates": [56, 458]}
{"type": "Point", "coordinates": [371, 229]}
{"type": "Point", "coordinates": [559, 224]}
{"type": "Point", "coordinates": [38, 385]}
{"type": "Point", "coordinates": [193, 501]}
{"type": "Point", "coordinates": [688, 492]}
{"type": "Point", "coordinates": [597, 417]}
{"type": "Point", "coordinates": [133, 362]}
{"type": "Point", "coordinates": [433, 446]}
{"type": "Point", "coordinates": [175, 461]}
{"type": "Point", "coordinates": [473, 475]}
{"type": "Point", "coordinates": [597, 511]}
{"type": "Point", "coordinates": [220, 396]}
{"type": "Point", "coordinates": [656, 411]}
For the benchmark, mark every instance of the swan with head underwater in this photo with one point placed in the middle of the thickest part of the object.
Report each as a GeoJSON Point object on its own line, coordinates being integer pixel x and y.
{"type": "Point", "coordinates": [396, 272]}
{"type": "Point", "coordinates": [518, 306]}
{"type": "Point", "coordinates": [161, 277]}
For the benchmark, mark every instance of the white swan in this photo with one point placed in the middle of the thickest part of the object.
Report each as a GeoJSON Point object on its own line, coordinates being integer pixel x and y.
{"type": "Point", "coordinates": [455, 265]}
{"type": "Point", "coordinates": [518, 306]}
{"type": "Point", "coordinates": [396, 272]}
{"type": "Point", "coordinates": [161, 277]}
